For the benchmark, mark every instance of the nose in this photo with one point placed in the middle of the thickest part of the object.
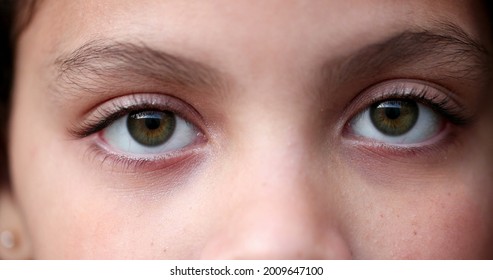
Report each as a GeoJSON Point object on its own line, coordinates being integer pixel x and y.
{"type": "Point", "coordinates": [275, 208]}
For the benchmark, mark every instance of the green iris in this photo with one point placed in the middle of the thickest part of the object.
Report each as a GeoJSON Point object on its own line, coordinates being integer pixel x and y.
{"type": "Point", "coordinates": [394, 117]}
{"type": "Point", "coordinates": [151, 128]}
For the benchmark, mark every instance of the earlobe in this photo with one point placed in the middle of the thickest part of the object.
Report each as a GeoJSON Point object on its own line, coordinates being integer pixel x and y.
{"type": "Point", "coordinates": [14, 240]}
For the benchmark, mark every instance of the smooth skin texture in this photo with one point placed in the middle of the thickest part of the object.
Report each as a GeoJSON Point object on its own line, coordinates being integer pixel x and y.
{"type": "Point", "coordinates": [274, 172]}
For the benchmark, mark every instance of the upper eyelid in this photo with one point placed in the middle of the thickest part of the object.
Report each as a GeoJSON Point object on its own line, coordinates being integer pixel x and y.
{"type": "Point", "coordinates": [420, 91]}
{"type": "Point", "coordinates": [97, 65]}
{"type": "Point", "coordinates": [391, 89]}
{"type": "Point", "coordinates": [385, 90]}
{"type": "Point", "coordinates": [105, 114]}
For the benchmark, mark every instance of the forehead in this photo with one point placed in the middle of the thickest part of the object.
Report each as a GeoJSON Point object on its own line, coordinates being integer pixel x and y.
{"type": "Point", "coordinates": [249, 22]}
{"type": "Point", "coordinates": [254, 42]}
{"type": "Point", "coordinates": [218, 32]}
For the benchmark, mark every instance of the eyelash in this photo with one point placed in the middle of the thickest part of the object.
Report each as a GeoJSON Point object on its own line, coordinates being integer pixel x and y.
{"type": "Point", "coordinates": [443, 104]}
{"type": "Point", "coordinates": [434, 97]}
{"type": "Point", "coordinates": [105, 115]}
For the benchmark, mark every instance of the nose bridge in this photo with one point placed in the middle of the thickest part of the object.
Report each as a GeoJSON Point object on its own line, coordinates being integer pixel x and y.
{"type": "Point", "coordinates": [273, 210]}
{"type": "Point", "coordinates": [277, 181]}
{"type": "Point", "coordinates": [275, 168]}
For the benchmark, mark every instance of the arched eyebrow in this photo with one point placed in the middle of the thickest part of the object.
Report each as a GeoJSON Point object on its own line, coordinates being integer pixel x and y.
{"type": "Point", "coordinates": [99, 65]}
{"type": "Point", "coordinates": [445, 50]}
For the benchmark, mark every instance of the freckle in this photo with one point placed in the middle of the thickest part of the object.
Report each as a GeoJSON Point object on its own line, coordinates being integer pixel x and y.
{"type": "Point", "coordinates": [152, 243]}
{"type": "Point", "coordinates": [381, 215]}
{"type": "Point", "coordinates": [449, 194]}
{"type": "Point", "coordinates": [415, 232]}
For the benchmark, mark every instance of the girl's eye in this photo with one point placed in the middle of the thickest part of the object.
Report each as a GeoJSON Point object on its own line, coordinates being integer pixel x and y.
{"type": "Point", "coordinates": [149, 132]}
{"type": "Point", "coordinates": [397, 121]}
{"type": "Point", "coordinates": [151, 128]}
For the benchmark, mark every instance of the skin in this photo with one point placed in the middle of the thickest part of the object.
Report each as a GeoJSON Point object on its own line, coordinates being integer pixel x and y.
{"type": "Point", "coordinates": [275, 174]}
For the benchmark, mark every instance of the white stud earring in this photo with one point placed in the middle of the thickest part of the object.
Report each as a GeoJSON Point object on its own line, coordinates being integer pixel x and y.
{"type": "Point", "coordinates": [7, 239]}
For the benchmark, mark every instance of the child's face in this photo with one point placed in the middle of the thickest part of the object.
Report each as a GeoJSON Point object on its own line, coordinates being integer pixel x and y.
{"type": "Point", "coordinates": [267, 129]}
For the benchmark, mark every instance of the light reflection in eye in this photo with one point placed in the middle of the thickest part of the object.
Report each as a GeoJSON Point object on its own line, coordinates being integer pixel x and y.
{"type": "Point", "coordinates": [397, 121]}
{"type": "Point", "coordinates": [149, 133]}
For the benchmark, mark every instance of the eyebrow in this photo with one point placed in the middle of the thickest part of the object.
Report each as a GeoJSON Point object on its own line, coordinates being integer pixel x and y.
{"type": "Point", "coordinates": [97, 65]}
{"type": "Point", "coordinates": [445, 49]}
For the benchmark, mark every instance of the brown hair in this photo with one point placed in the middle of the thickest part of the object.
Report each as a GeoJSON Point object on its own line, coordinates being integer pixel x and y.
{"type": "Point", "coordinates": [14, 17]}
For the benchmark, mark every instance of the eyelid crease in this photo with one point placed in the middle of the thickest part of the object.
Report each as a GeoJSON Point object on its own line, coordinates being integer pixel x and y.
{"type": "Point", "coordinates": [106, 114]}
{"type": "Point", "coordinates": [442, 103]}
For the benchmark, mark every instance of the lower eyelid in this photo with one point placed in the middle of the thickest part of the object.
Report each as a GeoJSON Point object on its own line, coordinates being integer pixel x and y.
{"type": "Point", "coordinates": [113, 162]}
{"type": "Point", "coordinates": [100, 151]}
{"type": "Point", "coordinates": [455, 119]}
{"type": "Point", "coordinates": [445, 130]}
{"type": "Point", "coordinates": [432, 151]}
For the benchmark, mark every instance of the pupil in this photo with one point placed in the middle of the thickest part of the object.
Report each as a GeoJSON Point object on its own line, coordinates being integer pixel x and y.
{"type": "Point", "coordinates": [152, 123]}
{"type": "Point", "coordinates": [392, 113]}
{"type": "Point", "coordinates": [151, 128]}
{"type": "Point", "coordinates": [394, 117]}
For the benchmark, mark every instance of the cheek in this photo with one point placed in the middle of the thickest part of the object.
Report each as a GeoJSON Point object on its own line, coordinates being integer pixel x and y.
{"type": "Point", "coordinates": [449, 227]}
{"type": "Point", "coordinates": [76, 211]}
{"type": "Point", "coordinates": [437, 209]}
{"type": "Point", "coordinates": [448, 222]}
{"type": "Point", "coordinates": [74, 208]}
{"type": "Point", "coordinates": [56, 197]}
